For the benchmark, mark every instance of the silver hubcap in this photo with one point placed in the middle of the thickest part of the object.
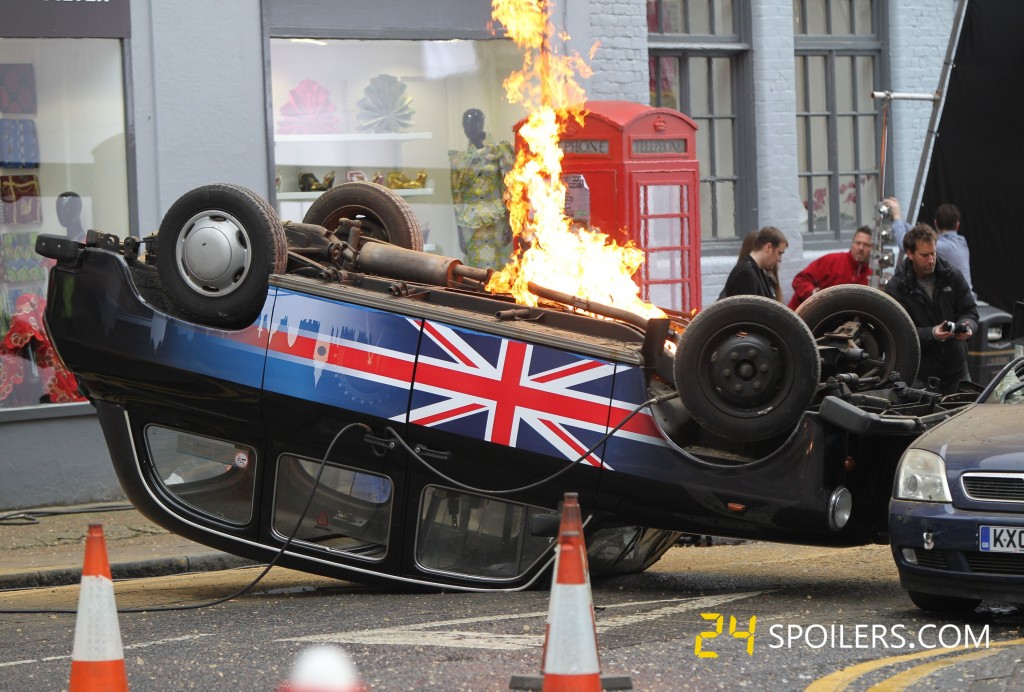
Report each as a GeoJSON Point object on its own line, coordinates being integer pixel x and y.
{"type": "Point", "coordinates": [213, 253]}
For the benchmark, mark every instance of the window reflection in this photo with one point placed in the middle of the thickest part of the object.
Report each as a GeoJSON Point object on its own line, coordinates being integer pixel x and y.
{"type": "Point", "coordinates": [460, 533]}
{"type": "Point", "coordinates": [214, 476]}
{"type": "Point", "coordinates": [398, 113]}
{"type": "Point", "coordinates": [350, 511]}
{"type": "Point", "coordinates": [63, 168]}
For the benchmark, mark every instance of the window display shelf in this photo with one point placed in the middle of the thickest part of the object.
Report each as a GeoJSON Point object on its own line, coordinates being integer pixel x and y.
{"type": "Point", "coordinates": [330, 150]}
{"type": "Point", "coordinates": [404, 192]}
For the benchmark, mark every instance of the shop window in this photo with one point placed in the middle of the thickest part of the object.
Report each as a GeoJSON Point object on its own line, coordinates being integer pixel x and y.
{"type": "Point", "coordinates": [63, 169]}
{"type": "Point", "coordinates": [393, 112]}
{"type": "Point", "coordinates": [696, 49]}
{"type": "Point", "coordinates": [838, 56]}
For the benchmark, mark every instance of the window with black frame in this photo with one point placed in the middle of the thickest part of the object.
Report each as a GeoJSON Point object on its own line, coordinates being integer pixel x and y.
{"type": "Point", "coordinates": [838, 64]}
{"type": "Point", "coordinates": [696, 47]}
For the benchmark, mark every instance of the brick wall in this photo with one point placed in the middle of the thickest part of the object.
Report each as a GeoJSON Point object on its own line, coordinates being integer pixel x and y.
{"type": "Point", "coordinates": [919, 37]}
{"type": "Point", "coordinates": [620, 64]}
{"type": "Point", "coordinates": [919, 32]}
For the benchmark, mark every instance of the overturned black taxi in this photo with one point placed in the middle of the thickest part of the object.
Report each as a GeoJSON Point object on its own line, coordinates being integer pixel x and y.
{"type": "Point", "coordinates": [328, 392]}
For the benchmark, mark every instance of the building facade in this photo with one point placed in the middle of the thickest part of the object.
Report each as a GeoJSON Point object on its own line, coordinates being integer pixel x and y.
{"type": "Point", "coordinates": [127, 104]}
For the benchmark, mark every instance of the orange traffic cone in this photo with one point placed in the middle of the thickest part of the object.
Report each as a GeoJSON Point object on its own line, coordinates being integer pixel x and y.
{"type": "Point", "coordinates": [323, 669]}
{"type": "Point", "coordinates": [97, 660]}
{"type": "Point", "coordinates": [570, 659]}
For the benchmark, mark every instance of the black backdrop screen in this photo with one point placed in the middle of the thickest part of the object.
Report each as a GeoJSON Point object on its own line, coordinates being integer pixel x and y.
{"type": "Point", "coordinates": [978, 156]}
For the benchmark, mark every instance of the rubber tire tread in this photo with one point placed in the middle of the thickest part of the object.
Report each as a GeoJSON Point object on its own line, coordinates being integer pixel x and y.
{"type": "Point", "coordinates": [393, 212]}
{"type": "Point", "coordinates": [266, 239]}
{"type": "Point", "coordinates": [746, 313]}
{"type": "Point", "coordinates": [880, 309]}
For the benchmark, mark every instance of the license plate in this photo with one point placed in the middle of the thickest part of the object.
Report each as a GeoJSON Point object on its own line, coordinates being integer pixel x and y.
{"type": "Point", "coordinates": [1001, 539]}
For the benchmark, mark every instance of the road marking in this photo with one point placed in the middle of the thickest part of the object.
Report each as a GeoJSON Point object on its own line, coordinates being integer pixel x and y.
{"type": "Point", "coordinates": [908, 677]}
{"type": "Point", "coordinates": [414, 635]}
{"type": "Point", "coordinates": [841, 679]}
{"type": "Point", "coordinates": [130, 647]}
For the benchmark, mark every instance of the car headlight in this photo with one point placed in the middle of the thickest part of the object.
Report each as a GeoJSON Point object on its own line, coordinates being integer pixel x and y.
{"type": "Point", "coordinates": [921, 476]}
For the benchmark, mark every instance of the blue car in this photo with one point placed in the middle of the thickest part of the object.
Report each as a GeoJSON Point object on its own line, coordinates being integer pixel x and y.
{"type": "Point", "coordinates": [956, 519]}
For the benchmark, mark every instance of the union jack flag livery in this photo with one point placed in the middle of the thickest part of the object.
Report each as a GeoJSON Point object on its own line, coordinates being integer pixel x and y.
{"type": "Point", "coordinates": [427, 373]}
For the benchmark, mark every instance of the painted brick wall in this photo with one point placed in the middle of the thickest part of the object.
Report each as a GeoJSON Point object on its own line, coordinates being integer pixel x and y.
{"type": "Point", "coordinates": [774, 91]}
{"type": "Point", "coordinates": [919, 37]}
{"type": "Point", "coordinates": [620, 64]}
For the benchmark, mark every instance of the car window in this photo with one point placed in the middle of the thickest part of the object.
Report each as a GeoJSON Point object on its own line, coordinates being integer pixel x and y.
{"type": "Point", "coordinates": [1010, 388]}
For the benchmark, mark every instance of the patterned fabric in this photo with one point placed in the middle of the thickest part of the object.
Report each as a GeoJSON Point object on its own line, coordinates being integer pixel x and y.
{"type": "Point", "coordinates": [19, 199]}
{"type": "Point", "coordinates": [477, 189]}
{"type": "Point", "coordinates": [17, 89]}
{"type": "Point", "coordinates": [26, 341]}
{"type": "Point", "coordinates": [19, 144]}
{"type": "Point", "coordinates": [20, 262]}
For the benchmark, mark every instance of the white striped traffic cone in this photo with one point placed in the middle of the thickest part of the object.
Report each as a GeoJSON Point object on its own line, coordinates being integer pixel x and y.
{"type": "Point", "coordinates": [570, 659]}
{"type": "Point", "coordinates": [97, 660]}
{"type": "Point", "coordinates": [323, 669]}
{"type": "Point", "coordinates": [570, 644]}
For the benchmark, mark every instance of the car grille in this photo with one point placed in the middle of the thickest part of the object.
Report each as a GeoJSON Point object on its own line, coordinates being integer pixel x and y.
{"type": "Point", "coordinates": [996, 563]}
{"type": "Point", "coordinates": [994, 487]}
{"type": "Point", "coordinates": [935, 559]}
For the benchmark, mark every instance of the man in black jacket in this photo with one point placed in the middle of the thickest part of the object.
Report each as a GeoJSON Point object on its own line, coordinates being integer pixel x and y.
{"type": "Point", "coordinates": [752, 274]}
{"type": "Point", "coordinates": [939, 301]}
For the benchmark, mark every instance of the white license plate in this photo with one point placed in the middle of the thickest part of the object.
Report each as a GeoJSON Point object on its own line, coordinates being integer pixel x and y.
{"type": "Point", "coordinates": [1001, 539]}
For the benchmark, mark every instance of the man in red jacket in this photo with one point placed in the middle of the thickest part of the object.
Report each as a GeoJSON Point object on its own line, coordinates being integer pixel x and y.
{"type": "Point", "coordinates": [835, 268]}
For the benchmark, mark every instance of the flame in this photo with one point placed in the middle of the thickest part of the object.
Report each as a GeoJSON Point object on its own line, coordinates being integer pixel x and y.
{"type": "Point", "coordinates": [552, 250]}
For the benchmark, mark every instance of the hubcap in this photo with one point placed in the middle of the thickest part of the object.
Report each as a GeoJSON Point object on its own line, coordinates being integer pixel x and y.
{"type": "Point", "coordinates": [744, 369]}
{"type": "Point", "coordinates": [213, 253]}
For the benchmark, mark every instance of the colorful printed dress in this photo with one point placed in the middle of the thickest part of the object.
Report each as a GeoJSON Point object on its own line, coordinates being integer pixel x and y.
{"type": "Point", "coordinates": [485, 236]}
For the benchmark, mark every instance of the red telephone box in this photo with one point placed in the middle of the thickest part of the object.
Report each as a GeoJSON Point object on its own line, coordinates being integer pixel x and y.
{"type": "Point", "coordinates": [631, 171]}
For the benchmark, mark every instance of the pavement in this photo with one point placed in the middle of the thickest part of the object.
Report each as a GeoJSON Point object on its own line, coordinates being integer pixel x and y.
{"type": "Point", "coordinates": [46, 546]}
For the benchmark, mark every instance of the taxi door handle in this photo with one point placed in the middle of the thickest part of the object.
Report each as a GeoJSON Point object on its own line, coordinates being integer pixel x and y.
{"type": "Point", "coordinates": [432, 453]}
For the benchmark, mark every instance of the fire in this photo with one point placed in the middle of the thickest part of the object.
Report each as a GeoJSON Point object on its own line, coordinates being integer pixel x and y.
{"type": "Point", "coordinates": [552, 251]}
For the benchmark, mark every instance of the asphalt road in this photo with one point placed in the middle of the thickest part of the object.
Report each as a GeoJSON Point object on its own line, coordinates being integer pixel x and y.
{"type": "Point", "coordinates": [825, 618]}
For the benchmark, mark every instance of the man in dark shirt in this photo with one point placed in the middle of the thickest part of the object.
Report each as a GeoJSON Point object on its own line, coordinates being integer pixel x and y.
{"type": "Point", "coordinates": [939, 301]}
{"type": "Point", "coordinates": [750, 276]}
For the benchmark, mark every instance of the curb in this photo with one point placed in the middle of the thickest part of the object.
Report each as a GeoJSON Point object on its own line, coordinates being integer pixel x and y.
{"type": "Point", "coordinates": [158, 567]}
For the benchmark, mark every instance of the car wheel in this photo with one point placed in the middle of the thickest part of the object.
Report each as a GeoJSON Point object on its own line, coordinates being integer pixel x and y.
{"type": "Point", "coordinates": [216, 248]}
{"type": "Point", "coordinates": [746, 368]}
{"type": "Point", "coordinates": [943, 604]}
{"type": "Point", "coordinates": [886, 335]}
{"type": "Point", "coordinates": [382, 211]}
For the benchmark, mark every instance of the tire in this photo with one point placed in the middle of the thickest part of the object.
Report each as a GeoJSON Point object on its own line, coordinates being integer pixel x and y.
{"type": "Point", "coordinates": [887, 333]}
{"type": "Point", "coordinates": [383, 212]}
{"type": "Point", "coordinates": [943, 604]}
{"type": "Point", "coordinates": [216, 248]}
{"type": "Point", "coordinates": [746, 368]}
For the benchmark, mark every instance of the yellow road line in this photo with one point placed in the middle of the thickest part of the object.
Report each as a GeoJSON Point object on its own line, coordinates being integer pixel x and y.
{"type": "Point", "coordinates": [908, 677]}
{"type": "Point", "coordinates": [839, 680]}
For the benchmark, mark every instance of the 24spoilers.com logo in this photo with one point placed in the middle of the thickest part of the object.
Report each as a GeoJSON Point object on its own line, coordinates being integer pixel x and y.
{"type": "Point", "coordinates": [894, 637]}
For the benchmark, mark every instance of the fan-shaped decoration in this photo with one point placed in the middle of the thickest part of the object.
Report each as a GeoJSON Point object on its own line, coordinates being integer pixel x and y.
{"type": "Point", "coordinates": [309, 111]}
{"type": "Point", "coordinates": [385, 107]}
